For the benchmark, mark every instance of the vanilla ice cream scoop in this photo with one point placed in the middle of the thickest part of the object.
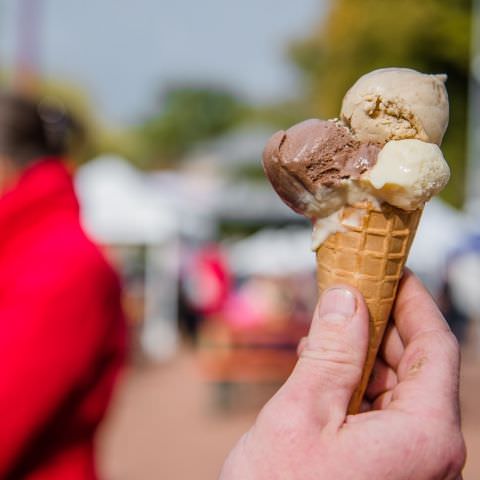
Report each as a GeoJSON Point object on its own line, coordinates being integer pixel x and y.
{"type": "Point", "coordinates": [397, 103]}
{"type": "Point", "coordinates": [408, 173]}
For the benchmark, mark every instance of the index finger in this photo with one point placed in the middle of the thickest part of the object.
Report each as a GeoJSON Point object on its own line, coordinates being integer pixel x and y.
{"type": "Point", "coordinates": [415, 311]}
{"type": "Point", "coordinates": [429, 369]}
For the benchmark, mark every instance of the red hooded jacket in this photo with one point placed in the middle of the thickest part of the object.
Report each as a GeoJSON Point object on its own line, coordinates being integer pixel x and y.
{"type": "Point", "coordinates": [61, 330]}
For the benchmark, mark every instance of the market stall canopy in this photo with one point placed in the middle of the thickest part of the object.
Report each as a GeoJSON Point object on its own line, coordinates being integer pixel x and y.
{"type": "Point", "coordinates": [119, 206]}
{"type": "Point", "coordinates": [280, 252]}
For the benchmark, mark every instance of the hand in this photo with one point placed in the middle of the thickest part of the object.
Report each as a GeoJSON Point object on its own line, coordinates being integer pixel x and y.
{"type": "Point", "coordinates": [411, 429]}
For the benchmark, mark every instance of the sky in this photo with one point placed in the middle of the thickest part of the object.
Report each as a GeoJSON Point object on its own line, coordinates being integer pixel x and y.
{"type": "Point", "coordinates": [122, 52]}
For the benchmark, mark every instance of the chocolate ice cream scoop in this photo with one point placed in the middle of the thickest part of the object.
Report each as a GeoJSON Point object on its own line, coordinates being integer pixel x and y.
{"type": "Point", "coordinates": [309, 165]}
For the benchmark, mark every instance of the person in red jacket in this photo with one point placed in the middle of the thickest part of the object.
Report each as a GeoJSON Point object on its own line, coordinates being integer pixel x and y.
{"type": "Point", "coordinates": [62, 336]}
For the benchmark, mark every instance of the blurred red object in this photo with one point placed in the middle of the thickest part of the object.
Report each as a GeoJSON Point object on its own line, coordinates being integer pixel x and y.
{"type": "Point", "coordinates": [62, 336]}
{"type": "Point", "coordinates": [207, 280]}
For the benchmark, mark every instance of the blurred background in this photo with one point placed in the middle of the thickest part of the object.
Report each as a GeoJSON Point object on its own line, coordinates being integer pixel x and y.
{"type": "Point", "coordinates": [173, 103]}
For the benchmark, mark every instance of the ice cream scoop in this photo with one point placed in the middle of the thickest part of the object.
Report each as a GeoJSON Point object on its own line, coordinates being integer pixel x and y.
{"type": "Point", "coordinates": [397, 103]}
{"type": "Point", "coordinates": [408, 173]}
{"type": "Point", "coordinates": [312, 165]}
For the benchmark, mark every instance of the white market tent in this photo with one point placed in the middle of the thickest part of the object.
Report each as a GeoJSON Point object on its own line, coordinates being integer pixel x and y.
{"type": "Point", "coordinates": [273, 252]}
{"type": "Point", "coordinates": [119, 206]}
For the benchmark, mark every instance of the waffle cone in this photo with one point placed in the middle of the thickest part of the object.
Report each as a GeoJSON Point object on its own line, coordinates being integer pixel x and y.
{"type": "Point", "coordinates": [369, 254]}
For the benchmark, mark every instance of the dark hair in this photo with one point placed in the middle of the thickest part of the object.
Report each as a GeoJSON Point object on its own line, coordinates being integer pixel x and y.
{"type": "Point", "coordinates": [31, 129]}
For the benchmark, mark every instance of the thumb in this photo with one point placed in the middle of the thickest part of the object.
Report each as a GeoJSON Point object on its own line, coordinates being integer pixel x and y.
{"type": "Point", "coordinates": [331, 359]}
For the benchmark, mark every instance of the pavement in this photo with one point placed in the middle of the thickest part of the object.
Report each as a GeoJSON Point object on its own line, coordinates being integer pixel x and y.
{"type": "Point", "coordinates": [165, 422]}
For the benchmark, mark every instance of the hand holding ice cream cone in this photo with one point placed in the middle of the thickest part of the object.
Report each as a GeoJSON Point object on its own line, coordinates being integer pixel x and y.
{"type": "Point", "coordinates": [413, 429]}
{"type": "Point", "coordinates": [363, 181]}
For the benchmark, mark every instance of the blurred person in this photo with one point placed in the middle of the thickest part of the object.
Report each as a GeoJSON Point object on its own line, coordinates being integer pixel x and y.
{"type": "Point", "coordinates": [410, 428]}
{"type": "Point", "coordinates": [61, 324]}
{"type": "Point", "coordinates": [205, 286]}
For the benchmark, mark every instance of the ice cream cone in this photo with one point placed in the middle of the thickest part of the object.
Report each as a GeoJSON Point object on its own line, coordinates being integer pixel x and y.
{"type": "Point", "coordinates": [369, 254]}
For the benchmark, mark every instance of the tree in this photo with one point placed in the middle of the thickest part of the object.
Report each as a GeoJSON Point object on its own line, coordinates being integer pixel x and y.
{"type": "Point", "coordinates": [432, 36]}
{"type": "Point", "coordinates": [186, 116]}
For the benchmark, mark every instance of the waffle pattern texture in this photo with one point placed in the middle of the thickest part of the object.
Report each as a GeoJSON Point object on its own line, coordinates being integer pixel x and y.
{"type": "Point", "coordinates": [369, 254]}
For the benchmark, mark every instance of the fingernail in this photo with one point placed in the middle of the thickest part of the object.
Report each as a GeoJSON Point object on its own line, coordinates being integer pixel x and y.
{"type": "Point", "coordinates": [337, 304]}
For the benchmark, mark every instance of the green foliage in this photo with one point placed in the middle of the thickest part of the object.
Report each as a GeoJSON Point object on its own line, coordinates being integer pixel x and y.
{"type": "Point", "coordinates": [357, 36]}
{"type": "Point", "coordinates": [252, 172]}
{"type": "Point", "coordinates": [187, 115]}
{"type": "Point", "coordinates": [281, 115]}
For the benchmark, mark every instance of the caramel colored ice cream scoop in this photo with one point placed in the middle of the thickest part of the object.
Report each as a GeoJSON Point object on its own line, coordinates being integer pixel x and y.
{"type": "Point", "coordinates": [395, 104]}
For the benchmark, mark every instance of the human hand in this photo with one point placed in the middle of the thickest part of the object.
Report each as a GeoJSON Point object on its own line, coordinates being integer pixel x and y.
{"type": "Point", "coordinates": [411, 426]}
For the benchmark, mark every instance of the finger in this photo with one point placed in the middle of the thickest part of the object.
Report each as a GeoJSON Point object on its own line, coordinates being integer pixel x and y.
{"type": "Point", "coordinates": [332, 358]}
{"type": "Point", "coordinates": [383, 401]}
{"type": "Point", "coordinates": [414, 311]}
{"type": "Point", "coordinates": [392, 348]}
{"type": "Point", "coordinates": [383, 378]}
{"type": "Point", "coordinates": [429, 370]}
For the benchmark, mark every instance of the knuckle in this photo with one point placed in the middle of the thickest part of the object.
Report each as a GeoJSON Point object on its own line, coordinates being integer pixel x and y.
{"type": "Point", "coordinates": [442, 342]}
{"type": "Point", "coordinates": [457, 455]}
{"type": "Point", "coordinates": [449, 347]}
{"type": "Point", "coordinates": [448, 445]}
{"type": "Point", "coordinates": [443, 444]}
{"type": "Point", "coordinates": [447, 340]}
{"type": "Point", "coordinates": [338, 361]}
{"type": "Point", "coordinates": [452, 344]}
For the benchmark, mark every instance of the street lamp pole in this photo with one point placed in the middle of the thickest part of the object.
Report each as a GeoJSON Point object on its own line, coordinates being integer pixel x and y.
{"type": "Point", "coordinates": [27, 64]}
{"type": "Point", "coordinates": [473, 166]}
